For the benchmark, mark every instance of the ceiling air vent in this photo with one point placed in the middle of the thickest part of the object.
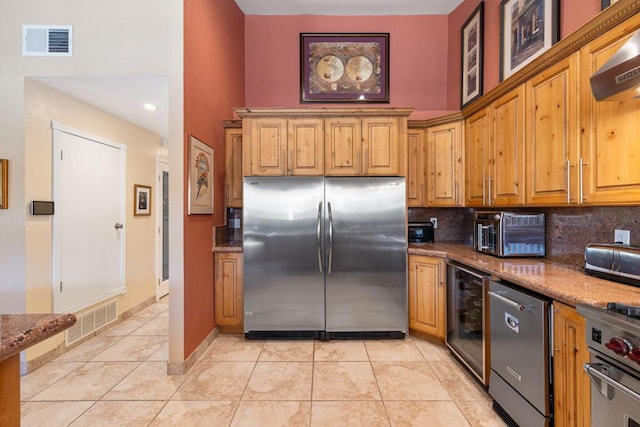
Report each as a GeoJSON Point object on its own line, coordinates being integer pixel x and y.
{"type": "Point", "coordinates": [47, 40]}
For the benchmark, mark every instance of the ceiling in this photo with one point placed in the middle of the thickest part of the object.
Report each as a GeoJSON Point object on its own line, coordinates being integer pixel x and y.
{"type": "Point", "coordinates": [347, 7]}
{"type": "Point", "coordinates": [124, 96]}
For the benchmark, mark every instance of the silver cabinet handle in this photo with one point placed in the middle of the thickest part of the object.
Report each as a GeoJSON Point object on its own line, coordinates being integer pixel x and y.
{"type": "Point", "coordinates": [581, 180]}
{"type": "Point", "coordinates": [484, 190]}
{"type": "Point", "coordinates": [318, 236]}
{"type": "Point", "coordinates": [568, 181]}
{"type": "Point", "coordinates": [330, 238]}
{"type": "Point", "coordinates": [290, 161]}
{"type": "Point", "coordinates": [490, 201]}
{"type": "Point", "coordinates": [594, 374]}
{"type": "Point", "coordinates": [507, 301]}
{"type": "Point", "coordinates": [119, 226]}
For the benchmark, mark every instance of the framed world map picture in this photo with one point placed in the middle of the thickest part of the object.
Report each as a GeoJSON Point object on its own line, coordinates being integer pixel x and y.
{"type": "Point", "coordinates": [344, 67]}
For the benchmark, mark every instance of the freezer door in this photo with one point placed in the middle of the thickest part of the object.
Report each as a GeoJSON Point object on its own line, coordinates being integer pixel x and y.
{"type": "Point", "coordinates": [366, 257]}
{"type": "Point", "coordinates": [282, 239]}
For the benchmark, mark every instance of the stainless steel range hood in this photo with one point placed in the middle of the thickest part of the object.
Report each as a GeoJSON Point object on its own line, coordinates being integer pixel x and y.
{"type": "Point", "coordinates": [619, 78]}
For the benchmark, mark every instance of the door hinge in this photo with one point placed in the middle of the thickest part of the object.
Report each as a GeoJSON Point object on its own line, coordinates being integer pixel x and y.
{"type": "Point", "coordinates": [60, 154]}
{"type": "Point", "coordinates": [61, 286]}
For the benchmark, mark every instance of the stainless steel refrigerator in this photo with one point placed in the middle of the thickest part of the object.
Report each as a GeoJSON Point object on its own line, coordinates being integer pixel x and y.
{"type": "Point", "coordinates": [325, 257]}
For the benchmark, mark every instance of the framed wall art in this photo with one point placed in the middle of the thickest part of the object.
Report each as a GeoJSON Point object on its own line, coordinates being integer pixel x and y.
{"type": "Point", "coordinates": [344, 67]}
{"type": "Point", "coordinates": [200, 177]}
{"type": "Point", "coordinates": [607, 3]}
{"type": "Point", "coordinates": [472, 38]}
{"type": "Point", "coordinates": [527, 29]}
{"type": "Point", "coordinates": [141, 200]}
{"type": "Point", "coordinates": [4, 184]}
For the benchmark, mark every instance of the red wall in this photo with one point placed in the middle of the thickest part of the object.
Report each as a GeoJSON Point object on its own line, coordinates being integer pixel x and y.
{"type": "Point", "coordinates": [573, 14]}
{"type": "Point", "coordinates": [417, 56]}
{"type": "Point", "coordinates": [213, 85]}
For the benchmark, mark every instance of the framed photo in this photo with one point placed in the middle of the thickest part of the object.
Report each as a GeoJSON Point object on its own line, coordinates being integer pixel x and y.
{"type": "Point", "coordinates": [607, 3]}
{"type": "Point", "coordinates": [344, 67]}
{"type": "Point", "coordinates": [472, 38]}
{"type": "Point", "coordinates": [4, 184]}
{"type": "Point", "coordinates": [142, 200]}
{"type": "Point", "coordinates": [527, 29]}
{"type": "Point", "coordinates": [200, 177]}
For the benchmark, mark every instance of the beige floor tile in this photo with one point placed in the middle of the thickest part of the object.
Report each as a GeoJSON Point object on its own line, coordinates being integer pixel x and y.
{"type": "Point", "coordinates": [352, 414]}
{"type": "Point", "coordinates": [109, 414]}
{"type": "Point", "coordinates": [149, 381]}
{"type": "Point", "coordinates": [89, 382]}
{"type": "Point", "coordinates": [164, 313]}
{"type": "Point", "coordinates": [125, 327]}
{"type": "Point", "coordinates": [280, 381]}
{"type": "Point", "coordinates": [215, 381]}
{"type": "Point", "coordinates": [196, 413]}
{"type": "Point", "coordinates": [89, 349]}
{"type": "Point", "coordinates": [460, 385]}
{"type": "Point", "coordinates": [430, 350]}
{"type": "Point", "coordinates": [480, 414]}
{"type": "Point", "coordinates": [39, 414]}
{"type": "Point", "coordinates": [393, 350]}
{"type": "Point", "coordinates": [161, 354]}
{"type": "Point", "coordinates": [131, 348]}
{"type": "Point", "coordinates": [408, 381]}
{"type": "Point", "coordinates": [287, 351]}
{"type": "Point", "coordinates": [424, 413]}
{"type": "Point", "coordinates": [273, 414]}
{"type": "Point", "coordinates": [340, 351]}
{"type": "Point", "coordinates": [33, 383]}
{"type": "Point", "coordinates": [344, 381]}
{"type": "Point", "coordinates": [155, 326]}
{"type": "Point", "coordinates": [233, 348]}
{"type": "Point", "coordinates": [153, 310]}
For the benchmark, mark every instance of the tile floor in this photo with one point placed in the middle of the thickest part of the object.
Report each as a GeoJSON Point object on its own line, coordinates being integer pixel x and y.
{"type": "Point", "coordinates": [119, 378]}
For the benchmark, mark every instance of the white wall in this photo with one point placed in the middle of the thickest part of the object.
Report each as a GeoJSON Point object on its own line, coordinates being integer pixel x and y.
{"type": "Point", "coordinates": [117, 37]}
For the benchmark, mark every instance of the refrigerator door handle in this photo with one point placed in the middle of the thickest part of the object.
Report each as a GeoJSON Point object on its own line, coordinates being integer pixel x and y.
{"type": "Point", "coordinates": [318, 236]}
{"type": "Point", "coordinates": [330, 238]}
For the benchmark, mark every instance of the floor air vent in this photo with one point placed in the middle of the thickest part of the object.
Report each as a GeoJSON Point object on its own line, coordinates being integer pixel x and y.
{"type": "Point", "coordinates": [91, 321]}
{"type": "Point", "coordinates": [47, 40]}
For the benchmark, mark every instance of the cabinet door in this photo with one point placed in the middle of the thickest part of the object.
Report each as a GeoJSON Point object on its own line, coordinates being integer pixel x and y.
{"type": "Point", "coordinates": [416, 178]}
{"type": "Point", "coordinates": [381, 146]}
{"type": "Point", "coordinates": [228, 290]}
{"type": "Point", "coordinates": [444, 164]}
{"type": "Point", "coordinates": [233, 167]}
{"type": "Point", "coordinates": [427, 296]}
{"type": "Point", "coordinates": [572, 390]}
{"type": "Point", "coordinates": [610, 141]}
{"type": "Point", "coordinates": [552, 135]}
{"type": "Point", "coordinates": [267, 140]}
{"type": "Point", "coordinates": [477, 129]}
{"type": "Point", "coordinates": [506, 163]}
{"type": "Point", "coordinates": [343, 140]}
{"type": "Point", "coordinates": [306, 147]}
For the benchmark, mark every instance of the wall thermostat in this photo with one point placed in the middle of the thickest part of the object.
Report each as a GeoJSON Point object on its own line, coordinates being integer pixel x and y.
{"type": "Point", "coordinates": [41, 208]}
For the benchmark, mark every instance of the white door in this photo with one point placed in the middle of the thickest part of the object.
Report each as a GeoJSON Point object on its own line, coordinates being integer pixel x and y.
{"type": "Point", "coordinates": [88, 224]}
{"type": "Point", "coordinates": [162, 227]}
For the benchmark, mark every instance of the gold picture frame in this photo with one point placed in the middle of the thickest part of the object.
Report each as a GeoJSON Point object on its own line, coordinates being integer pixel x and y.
{"type": "Point", "coordinates": [4, 184]}
{"type": "Point", "coordinates": [141, 200]}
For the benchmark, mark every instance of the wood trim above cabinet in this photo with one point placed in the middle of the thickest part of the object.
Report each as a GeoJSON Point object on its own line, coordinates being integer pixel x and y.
{"type": "Point", "coordinates": [286, 113]}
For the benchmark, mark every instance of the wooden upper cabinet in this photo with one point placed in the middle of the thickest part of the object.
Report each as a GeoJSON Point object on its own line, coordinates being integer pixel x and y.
{"type": "Point", "coordinates": [552, 130]}
{"type": "Point", "coordinates": [381, 146]}
{"type": "Point", "coordinates": [343, 142]}
{"type": "Point", "coordinates": [444, 164]}
{"type": "Point", "coordinates": [305, 147]}
{"type": "Point", "coordinates": [477, 136]}
{"type": "Point", "coordinates": [610, 134]}
{"type": "Point", "coordinates": [507, 172]}
{"type": "Point", "coordinates": [416, 168]}
{"type": "Point", "coordinates": [233, 166]}
{"type": "Point", "coordinates": [267, 147]}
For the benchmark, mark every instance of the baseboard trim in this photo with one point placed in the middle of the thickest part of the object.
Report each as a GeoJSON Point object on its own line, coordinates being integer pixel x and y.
{"type": "Point", "coordinates": [181, 368]}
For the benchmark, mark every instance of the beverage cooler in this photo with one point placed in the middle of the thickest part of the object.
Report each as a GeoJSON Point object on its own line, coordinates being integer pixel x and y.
{"type": "Point", "coordinates": [466, 318]}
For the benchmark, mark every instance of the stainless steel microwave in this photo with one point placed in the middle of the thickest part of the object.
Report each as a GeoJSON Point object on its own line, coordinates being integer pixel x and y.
{"type": "Point", "coordinates": [509, 234]}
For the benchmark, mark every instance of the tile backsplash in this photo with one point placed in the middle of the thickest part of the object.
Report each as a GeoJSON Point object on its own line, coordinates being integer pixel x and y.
{"type": "Point", "coordinates": [568, 230]}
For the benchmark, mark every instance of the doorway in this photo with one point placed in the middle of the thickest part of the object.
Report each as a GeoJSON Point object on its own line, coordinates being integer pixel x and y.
{"type": "Point", "coordinates": [162, 227]}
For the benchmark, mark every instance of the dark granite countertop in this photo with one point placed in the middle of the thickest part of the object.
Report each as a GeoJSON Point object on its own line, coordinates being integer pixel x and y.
{"type": "Point", "coordinates": [565, 283]}
{"type": "Point", "coordinates": [19, 331]}
{"type": "Point", "coordinates": [235, 246]}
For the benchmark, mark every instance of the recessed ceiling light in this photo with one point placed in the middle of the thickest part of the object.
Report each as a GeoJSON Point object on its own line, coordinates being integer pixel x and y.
{"type": "Point", "coordinates": [150, 107]}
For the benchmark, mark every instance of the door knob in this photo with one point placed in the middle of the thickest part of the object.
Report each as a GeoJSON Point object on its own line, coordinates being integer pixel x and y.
{"type": "Point", "coordinates": [119, 226]}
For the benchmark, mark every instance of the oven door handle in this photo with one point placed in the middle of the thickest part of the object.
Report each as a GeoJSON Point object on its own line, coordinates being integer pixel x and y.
{"type": "Point", "coordinates": [594, 374]}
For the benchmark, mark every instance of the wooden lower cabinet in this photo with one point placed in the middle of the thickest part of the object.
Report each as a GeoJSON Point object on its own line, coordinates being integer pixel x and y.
{"type": "Point", "coordinates": [572, 390]}
{"type": "Point", "coordinates": [228, 314]}
{"type": "Point", "coordinates": [427, 297]}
